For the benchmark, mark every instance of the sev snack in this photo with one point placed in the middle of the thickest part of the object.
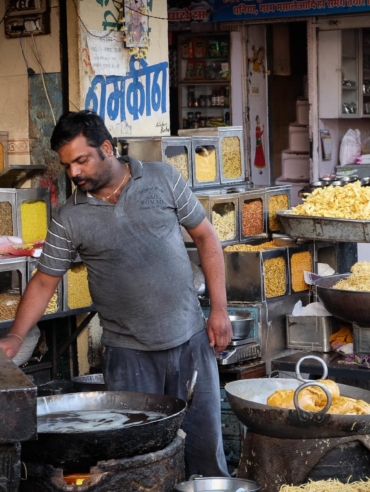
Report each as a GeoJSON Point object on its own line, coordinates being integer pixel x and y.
{"type": "Point", "coordinates": [223, 220]}
{"type": "Point", "coordinates": [180, 162]}
{"type": "Point", "coordinates": [231, 157]}
{"type": "Point", "coordinates": [329, 485]}
{"type": "Point", "coordinates": [249, 247]}
{"type": "Point", "coordinates": [351, 201]}
{"type": "Point", "coordinates": [359, 280]}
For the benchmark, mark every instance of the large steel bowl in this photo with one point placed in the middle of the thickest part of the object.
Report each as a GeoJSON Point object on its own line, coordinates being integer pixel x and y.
{"type": "Point", "coordinates": [349, 305]}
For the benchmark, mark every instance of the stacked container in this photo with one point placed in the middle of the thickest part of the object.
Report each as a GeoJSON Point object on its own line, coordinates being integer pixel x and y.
{"type": "Point", "coordinates": [256, 276]}
{"type": "Point", "coordinates": [206, 161]}
{"type": "Point", "coordinates": [24, 213]}
{"type": "Point", "coordinates": [252, 221]}
{"type": "Point", "coordinates": [8, 212]}
{"type": "Point", "coordinates": [277, 198]}
{"type": "Point", "coordinates": [232, 167]}
{"type": "Point", "coordinates": [55, 304]}
{"type": "Point", "coordinates": [222, 210]}
{"type": "Point", "coordinates": [13, 278]}
{"type": "Point", "coordinates": [76, 294]}
{"type": "Point", "coordinates": [177, 152]}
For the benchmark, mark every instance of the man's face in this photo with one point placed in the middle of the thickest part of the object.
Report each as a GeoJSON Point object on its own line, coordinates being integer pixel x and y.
{"type": "Point", "coordinates": [88, 167]}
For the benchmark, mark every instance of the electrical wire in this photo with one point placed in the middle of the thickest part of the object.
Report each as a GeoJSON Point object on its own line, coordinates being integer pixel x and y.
{"type": "Point", "coordinates": [51, 80]}
{"type": "Point", "coordinates": [43, 80]}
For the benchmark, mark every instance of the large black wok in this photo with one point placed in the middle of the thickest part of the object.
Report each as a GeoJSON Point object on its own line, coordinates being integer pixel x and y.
{"type": "Point", "coordinates": [77, 451]}
{"type": "Point", "coordinates": [248, 399]}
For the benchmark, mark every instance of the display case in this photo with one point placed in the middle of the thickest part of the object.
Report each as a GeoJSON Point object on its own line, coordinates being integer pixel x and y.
{"type": "Point", "coordinates": [253, 276]}
{"type": "Point", "coordinates": [222, 210]}
{"type": "Point", "coordinates": [33, 213]}
{"type": "Point", "coordinates": [76, 293]}
{"type": "Point", "coordinates": [204, 80]}
{"type": "Point", "coordinates": [252, 217]}
{"type": "Point", "coordinates": [8, 212]}
{"type": "Point", "coordinates": [277, 197]}
{"type": "Point", "coordinates": [206, 161]}
{"type": "Point", "coordinates": [55, 304]}
{"type": "Point", "coordinates": [232, 167]}
{"type": "Point", "coordinates": [13, 278]}
{"type": "Point", "coordinates": [177, 152]}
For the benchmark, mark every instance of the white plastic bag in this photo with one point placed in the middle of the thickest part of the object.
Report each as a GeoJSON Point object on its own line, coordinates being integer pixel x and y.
{"type": "Point", "coordinates": [350, 148]}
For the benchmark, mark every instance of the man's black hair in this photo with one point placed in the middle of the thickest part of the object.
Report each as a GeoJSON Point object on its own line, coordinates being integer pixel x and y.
{"type": "Point", "coordinates": [74, 123]}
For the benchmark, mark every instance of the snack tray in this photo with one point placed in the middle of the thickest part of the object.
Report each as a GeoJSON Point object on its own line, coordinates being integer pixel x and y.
{"type": "Point", "coordinates": [325, 228]}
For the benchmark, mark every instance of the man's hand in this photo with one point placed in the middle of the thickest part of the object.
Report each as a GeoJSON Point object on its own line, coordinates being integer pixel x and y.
{"type": "Point", "coordinates": [219, 330]}
{"type": "Point", "coordinates": [10, 345]}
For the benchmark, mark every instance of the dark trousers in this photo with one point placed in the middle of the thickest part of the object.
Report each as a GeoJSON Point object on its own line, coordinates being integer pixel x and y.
{"type": "Point", "coordinates": [167, 372]}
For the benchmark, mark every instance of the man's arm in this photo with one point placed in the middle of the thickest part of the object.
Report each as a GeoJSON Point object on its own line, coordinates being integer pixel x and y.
{"type": "Point", "coordinates": [31, 307]}
{"type": "Point", "coordinates": [212, 262]}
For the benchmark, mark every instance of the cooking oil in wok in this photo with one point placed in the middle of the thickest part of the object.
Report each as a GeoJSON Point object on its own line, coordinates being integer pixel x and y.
{"type": "Point", "coordinates": [93, 420]}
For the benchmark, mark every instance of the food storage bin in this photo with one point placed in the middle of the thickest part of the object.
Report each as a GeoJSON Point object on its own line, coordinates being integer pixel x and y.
{"type": "Point", "coordinates": [252, 220]}
{"type": "Point", "coordinates": [76, 293]}
{"type": "Point", "coordinates": [33, 213]}
{"type": "Point", "coordinates": [8, 212]}
{"type": "Point", "coordinates": [257, 275]}
{"type": "Point", "coordinates": [205, 161]}
{"type": "Point", "coordinates": [300, 260]}
{"type": "Point", "coordinates": [56, 302]}
{"type": "Point", "coordinates": [309, 332]}
{"type": "Point", "coordinates": [177, 152]}
{"type": "Point", "coordinates": [277, 198]}
{"type": "Point", "coordinates": [145, 149]}
{"type": "Point", "coordinates": [232, 167]}
{"type": "Point", "coordinates": [4, 161]}
{"type": "Point", "coordinates": [299, 140]}
{"type": "Point", "coordinates": [222, 211]}
{"type": "Point", "coordinates": [13, 278]}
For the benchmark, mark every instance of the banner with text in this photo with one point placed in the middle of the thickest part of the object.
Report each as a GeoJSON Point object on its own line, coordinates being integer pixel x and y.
{"type": "Point", "coordinates": [235, 10]}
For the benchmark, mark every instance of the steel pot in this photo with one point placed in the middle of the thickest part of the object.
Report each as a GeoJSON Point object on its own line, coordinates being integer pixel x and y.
{"type": "Point", "coordinates": [77, 451]}
{"type": "Point", "coordinates": [208, 484]}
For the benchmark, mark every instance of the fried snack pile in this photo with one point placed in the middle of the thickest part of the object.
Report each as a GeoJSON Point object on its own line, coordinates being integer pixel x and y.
{"type": "Point", "coordinates": [329, 485]}
{"type": "Point", "coordinates": [351, 201]}
{"type": "Point", "coordinates": [359, 280]}
{"type": "Point", "coordinates": [313, 399]}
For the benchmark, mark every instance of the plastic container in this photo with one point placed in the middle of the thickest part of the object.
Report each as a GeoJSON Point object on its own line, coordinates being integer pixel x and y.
{"type": "Point", "coordinates": [8, 212]}
{"type": "Point", "coordinates": [232, 168]}
{"type": "Point", "coordinates": [298, 138]}
{"type": "Point", "coordinates": [252, 221]}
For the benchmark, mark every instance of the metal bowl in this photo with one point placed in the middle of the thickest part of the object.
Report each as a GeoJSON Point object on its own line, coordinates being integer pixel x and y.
{"type": "Point", "coordinates": [241, 326]}
{"type": "Point", "coordinates": [209, 484]}
{"type": "Point", "coordinates": [283, 241]}
{"type": "Point", "coordinates": [338, 182]}
{"type": "Point", "coordinates": [365, 181]}
{"type": "Point", "coordinates": [318, 184]}
{"type": "Point", "coordinates": [349, 305]}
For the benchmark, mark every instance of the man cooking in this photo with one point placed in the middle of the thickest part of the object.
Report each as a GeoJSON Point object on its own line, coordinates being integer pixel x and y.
{"type": "Point", "coordinates": [124, 219]}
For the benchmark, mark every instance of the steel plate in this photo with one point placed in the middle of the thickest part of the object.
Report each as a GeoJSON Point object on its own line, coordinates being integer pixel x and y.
{"type": "Point", "coordinates": [325, 228]}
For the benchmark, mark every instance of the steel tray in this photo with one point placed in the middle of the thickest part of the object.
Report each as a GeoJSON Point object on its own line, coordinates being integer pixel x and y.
{"type": "Point", "coordinates": [325, 228]}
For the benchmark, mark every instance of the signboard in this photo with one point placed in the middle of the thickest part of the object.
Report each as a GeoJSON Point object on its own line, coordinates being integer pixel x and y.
{"type": "Point", "coordinates": [234, 10]}
{"type": "Point", "coordinates": [197, 11]}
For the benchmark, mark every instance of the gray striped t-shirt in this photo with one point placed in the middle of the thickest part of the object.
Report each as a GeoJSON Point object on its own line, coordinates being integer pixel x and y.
{"type": "Point", "coordinates": [139, 273]}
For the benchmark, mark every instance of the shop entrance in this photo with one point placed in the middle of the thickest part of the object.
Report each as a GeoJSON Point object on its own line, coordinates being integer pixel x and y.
{"type": "Point", "coordinates": [288, 101]}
